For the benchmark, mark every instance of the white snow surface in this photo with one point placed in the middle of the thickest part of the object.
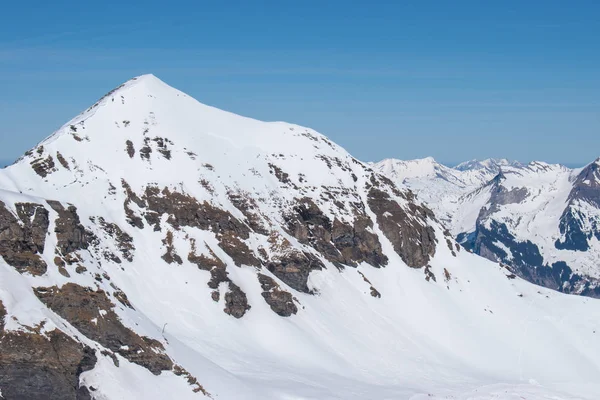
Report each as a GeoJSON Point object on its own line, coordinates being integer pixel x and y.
{"type": "Point", "coordinates": [477, 335]}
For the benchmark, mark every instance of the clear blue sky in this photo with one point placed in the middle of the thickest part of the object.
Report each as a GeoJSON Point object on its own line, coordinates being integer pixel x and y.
{"type": "Point", "coordinates": [455, 80]}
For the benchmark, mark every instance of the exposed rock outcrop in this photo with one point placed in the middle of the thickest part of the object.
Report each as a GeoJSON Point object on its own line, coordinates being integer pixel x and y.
{"type": "Point", "coordinates": [339, 242]}
{"type": "Point", "coordinates": [411, 236]}
{"type": "Point", "coordinates": [22, 240]}
{"type": "Point", "coordinates": [280, 301]}
{"type": "Point", "coordinates": [236, 302]}
{"type": "Point", "coordinates": [43, 166]}
{"type": "Point", "coordinates": [185, 210]}
{"type": "Point", "coordinates": [123, 241]}
{"type": "Point", "coordinates": [70, 234]}
{"type": "Point", "coordinates": [294, 267]}
{"type": "Point", "coordinates": [91, 312]}
{"type": "Point", "coordinates": [39, 367]}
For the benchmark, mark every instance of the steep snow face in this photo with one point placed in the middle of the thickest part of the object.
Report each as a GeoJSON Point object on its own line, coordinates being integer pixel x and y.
{"type": "Point", "coordinates": [156, 247]}
{"type": "Point", "coordinates": [539, 218]}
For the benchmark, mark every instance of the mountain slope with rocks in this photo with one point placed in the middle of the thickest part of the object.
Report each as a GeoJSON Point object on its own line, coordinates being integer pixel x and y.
{"type": "Point", "coordinates": [542, 220]}
{"type": "Point", "coordinates": [154, 247]}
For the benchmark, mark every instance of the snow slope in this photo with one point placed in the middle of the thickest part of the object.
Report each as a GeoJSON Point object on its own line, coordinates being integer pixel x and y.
{"type": "Point", "coordinates": [403, 313]}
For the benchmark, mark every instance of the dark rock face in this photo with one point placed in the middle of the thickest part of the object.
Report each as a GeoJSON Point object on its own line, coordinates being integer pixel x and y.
{"type": "Point", "coordinates": [527, 262]}
{"type": "Point", "coordinates": [525, 258]}
{"type": "Point", "coordinates": [280, 301]}
{"type": "Point", "coordinates": [413, 239]}
{"type": "Point", "coordinates": [38, 368]}
{"type": "Point", "coordinates": [131, 197]}
{"type": "Point", "coordinates": [145, 152]}
{"type": "Point", "coordinates": [192, 381]}
{"type": "Point", "coordinates": [294, 269]}
{"type": "Point", "coordinates": [500, 196]}
{"type": "Point", "coordinates": [247, 205]}
{"type": "Point", "coordinates": [129, 148]}
{"type": "Point", "coordinates": [575, 236]}
{"type": "Point", "coordinates": [283, 177]}
{"type": "Point", "coordinates": [21, 243]}
{"type": "Point", "coordinates": [374, 292]}
{"type": "Point", "coordinates": [236, 302]}
{"type": "Point", "coordinates": [71, 235]}
{"type": "Point", "coordinates": [358, 243]}
{"type": "Point", "coordinates": [123, 240]}
{"type": "Point", "coordinates": [339, 242]}
{"type": "Point", "coordinates": [62, 160]}
{"type": "Point", "coordinates": [2, 316]}
{"type": "Point", "coordinates": [170, 255]}
{"type": "Point", "coordinates": [81, 307]}
{"type": "Point", "coordinates": [217, 268]}
{"type": "Point", "coordinates": [43, 166]}
{"type": "Point", "coordinates": [586, 189]}
{"type": "Point", "coordinates": [587, 185]}
{"type": "Point", "coordinates": [184, 210]}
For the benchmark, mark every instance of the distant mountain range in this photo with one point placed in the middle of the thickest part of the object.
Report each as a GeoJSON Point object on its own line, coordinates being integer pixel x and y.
{"type": "Point", "coordinates": [542, 220]}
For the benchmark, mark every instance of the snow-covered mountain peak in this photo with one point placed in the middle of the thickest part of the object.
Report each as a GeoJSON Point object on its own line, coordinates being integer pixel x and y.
{"type": "Point", "coordinates": [423, 167]}
{"type": "Point", "coordinates": [173, 250]}
{"type": "Point", "coordinates": [144, 129]}
{"type": "Point", "coordinates": [489, 164]}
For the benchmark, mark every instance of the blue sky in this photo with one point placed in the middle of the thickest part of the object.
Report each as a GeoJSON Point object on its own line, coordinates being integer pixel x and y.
{"type": "Point", "coordinates": [455, 80]}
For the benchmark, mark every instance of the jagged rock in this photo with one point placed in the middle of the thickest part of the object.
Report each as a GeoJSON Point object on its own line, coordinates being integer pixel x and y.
{"type": "Point", "coordinates": [162, 144]}
{"type": "Point", "coordinates": [283, 177]}
{"type": "Point", "coordinates": [21, 243]}
{"type": "Point", "coordinates": [447, 275]}
{"type": "Point", "coordinates": [429, 275]}
{"type": "Point", "coordinates": [70, 234]}
{"type": "Point", "coordinates": [43, 166]}
{"type": "Point", "coordinates": [374, 292]}
{"type": "Point", "coordinates": [217, 268]}
{"type": "Point", "coordinates": [145, 152]}
{"type": "Point", "coordinates": [91, 312]}
{"type": "Point", "coordinates": [237, 250]}
{"type": "Point", "coordinates": [123, 240]}
{"type": "Point", "coordinates": [170, 255]}
{"type": "Point", "coordinates": [294, 268]}
{"type": "Point", "coordinates": [247, 205]}
{"type": "Point", "coordinates": [413, 239]}
{"type": "Point", "coordinates": [62, 160]}
{"type": "Point", "coordinates": [122, 298]}
{"type": "Point", "coordinates": [339, 242]}
{"type": "Point", "coordinates": [358, 243]}
{"type": "Point", "coordinates": [131, 197]}
{"type": "Point", "coordinates": [129, 148]}
{"type": "Point", "coordinates": [184, 210]}
{"type": "Point", "coordinates": [2, 316]}
{"type": "Point", "coordinates": [236, 302]}
{"type": "Point", "coordinates": [39, 367]}
{"type": "Point", "coordinates": [180, 371]}
{"type": "Point", "coordinates": [280, 301]}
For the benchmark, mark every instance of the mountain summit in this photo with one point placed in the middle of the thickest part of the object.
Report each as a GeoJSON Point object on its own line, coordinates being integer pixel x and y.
{"type": "Point", "coordinates": [155, 247]}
